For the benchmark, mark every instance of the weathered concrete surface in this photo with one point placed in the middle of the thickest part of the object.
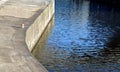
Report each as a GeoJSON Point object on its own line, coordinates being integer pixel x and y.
{"type": "Point", "coordinates": [14, 53]}
{"type": "Point", "coordinates": [36, 29]}
{"type": "Point", "coordinates": [3, 1]}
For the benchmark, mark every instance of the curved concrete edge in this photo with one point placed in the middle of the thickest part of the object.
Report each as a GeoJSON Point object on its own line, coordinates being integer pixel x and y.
{"type": "Point", "coordinates": [16, 43]}
{"type": "Point", "coordinates": [36, 29]}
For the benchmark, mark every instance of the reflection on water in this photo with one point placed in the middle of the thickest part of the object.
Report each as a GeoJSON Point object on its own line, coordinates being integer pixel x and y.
{"type": "Point", "coordinates": [85, 38]}
{"type": "Point", "coordinates": [43, 39]}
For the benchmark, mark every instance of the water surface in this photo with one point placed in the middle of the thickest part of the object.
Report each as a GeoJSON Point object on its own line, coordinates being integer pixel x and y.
{"type": "Point", "coordinates": [85, 38]}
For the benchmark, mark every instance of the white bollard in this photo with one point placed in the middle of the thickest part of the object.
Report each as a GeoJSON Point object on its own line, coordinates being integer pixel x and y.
{"type": "Point", "coordinates": [23, 25]}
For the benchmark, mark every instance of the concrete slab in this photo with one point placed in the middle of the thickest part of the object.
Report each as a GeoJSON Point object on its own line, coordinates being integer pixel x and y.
{"type": "Point", "coordinates": [14, 54]}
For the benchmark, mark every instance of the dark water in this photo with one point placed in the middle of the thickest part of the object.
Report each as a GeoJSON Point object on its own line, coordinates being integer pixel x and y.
{"type": "Point", "coordinates": [85, 38]}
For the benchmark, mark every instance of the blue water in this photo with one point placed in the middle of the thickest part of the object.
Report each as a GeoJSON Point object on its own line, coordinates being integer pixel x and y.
{"type": "Point", "coordinates": [85, 38]}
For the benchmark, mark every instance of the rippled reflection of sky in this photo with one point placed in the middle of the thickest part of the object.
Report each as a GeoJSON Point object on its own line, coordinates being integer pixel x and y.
{"type": "Point", "coordinates": [81, 26]}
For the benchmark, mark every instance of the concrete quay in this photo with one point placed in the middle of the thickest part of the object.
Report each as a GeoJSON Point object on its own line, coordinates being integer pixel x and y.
{"type": "Point", "coordinates": [21, 24]}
